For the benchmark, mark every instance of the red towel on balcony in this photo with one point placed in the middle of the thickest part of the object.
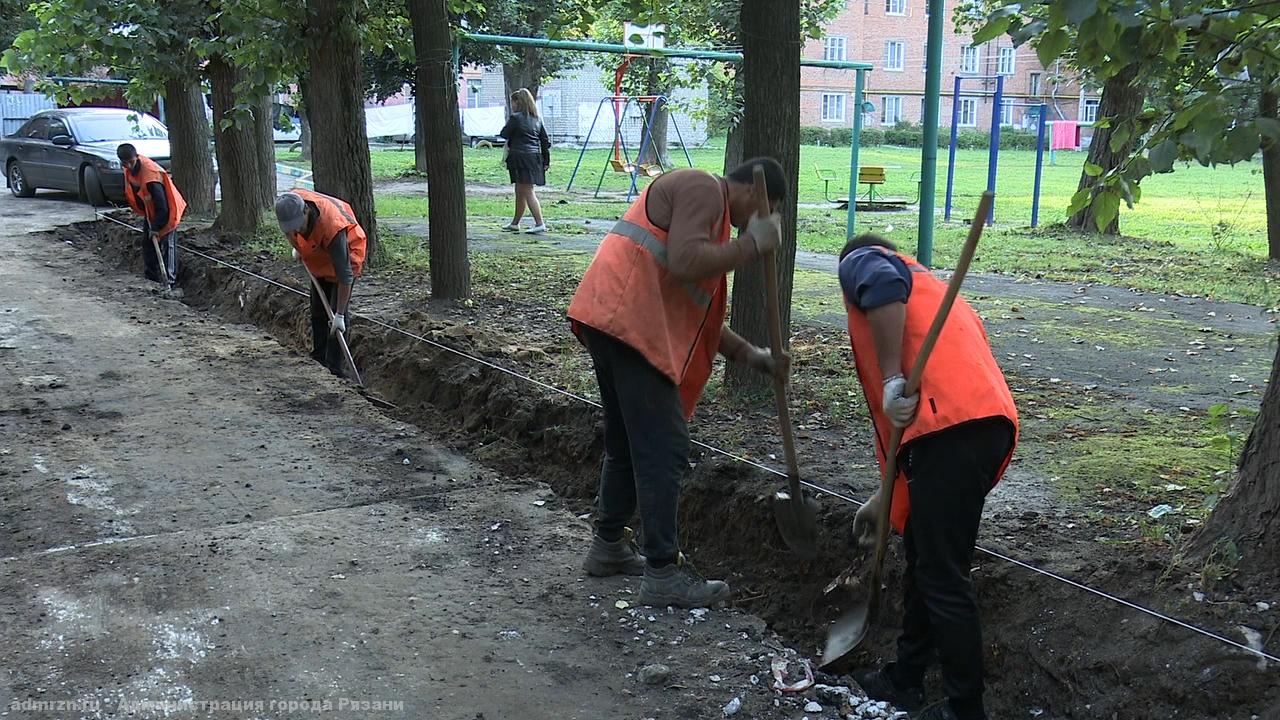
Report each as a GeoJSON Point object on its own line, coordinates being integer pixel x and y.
{"type": "Point", "coordinates": [1066, 135]}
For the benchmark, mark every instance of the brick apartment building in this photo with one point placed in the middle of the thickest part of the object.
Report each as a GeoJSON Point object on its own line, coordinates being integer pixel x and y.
{"type": "Point", "coordinates": [891, 34]}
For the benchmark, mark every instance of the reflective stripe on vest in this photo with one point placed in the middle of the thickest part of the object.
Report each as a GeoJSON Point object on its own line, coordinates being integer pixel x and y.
{"type": "Point", "coordinates": [651, 243]}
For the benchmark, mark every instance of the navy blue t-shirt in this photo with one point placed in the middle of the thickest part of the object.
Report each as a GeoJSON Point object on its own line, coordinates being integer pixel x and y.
{"type": "Point", "coordinates": [871, 278]}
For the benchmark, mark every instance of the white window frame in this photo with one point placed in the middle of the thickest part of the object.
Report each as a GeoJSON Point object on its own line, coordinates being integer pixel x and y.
{"type": "Point", "coordinates": [1089, 110]}
{"type": "Point", "coordinates": [1003, 54]}
{"type": "Point", "coordinates": [968, 52]}
{"type": "Point", "coordinates": [902, 55]}
{"type": "Point", "coordinates": [830, 101]}
{"type": "Point", "coordinates": [900, 5]}
{"type": "Point", "coordinates": [473, 96]}
{"type": "Point", "coordinates": [1035, 84]}
{"type": "Point", "coordinates": [833, 43]}
{"type": "Point", "coordinates": [972, 104]}
{"type": "Point", "coordinates": [1006, 113]}
{"type": "Point", "coordinates": [885, 104]}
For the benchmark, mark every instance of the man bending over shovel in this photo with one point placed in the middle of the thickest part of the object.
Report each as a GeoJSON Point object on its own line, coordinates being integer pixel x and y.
{"type": "Point", "coordinates": [960, 430]}
{"type": "Point", "coordinates": [150, 192]}
{"type": "Point", "coordinates": [331, 245]}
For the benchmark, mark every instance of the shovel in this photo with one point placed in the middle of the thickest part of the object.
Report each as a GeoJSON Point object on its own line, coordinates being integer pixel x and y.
{"type": "Point", "coordinates": [342, 342]}
{"type": "Point", "coordinates": [851, 628]}
{"type": "Point", "coordinates": [796, 514]}
{"type": "Point", "coordinates": [169, 289]}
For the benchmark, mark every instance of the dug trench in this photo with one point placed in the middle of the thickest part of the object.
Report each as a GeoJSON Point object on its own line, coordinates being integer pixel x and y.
{"type": "Point", "coordinates": [1052, 651]}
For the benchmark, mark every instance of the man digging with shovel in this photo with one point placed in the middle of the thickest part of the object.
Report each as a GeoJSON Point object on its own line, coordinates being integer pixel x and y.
{"type": "Point", "coordinates": [958, 436]}
{"type": "Point", "coordinates": [331, 245]}
{"type": "Point", "coordinates": [651, 312]}
{"type": "Point", "coordinates": [150, 192]}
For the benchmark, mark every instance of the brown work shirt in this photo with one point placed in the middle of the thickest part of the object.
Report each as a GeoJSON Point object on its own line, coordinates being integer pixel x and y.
{"type": "Point", "coordinates": [690, 205]}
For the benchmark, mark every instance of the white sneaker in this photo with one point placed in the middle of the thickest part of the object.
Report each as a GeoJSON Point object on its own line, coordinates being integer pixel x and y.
{"type": "Point", "coordinates": [511, 227]}
{"type": "Point", "coordinates": [537, 229]}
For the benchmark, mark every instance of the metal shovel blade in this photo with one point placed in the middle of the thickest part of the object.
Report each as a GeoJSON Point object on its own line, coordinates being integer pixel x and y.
{"type": "Point", "coordinates": [848, 631]}
{"type": "Point", "coordinates": [797, 518]}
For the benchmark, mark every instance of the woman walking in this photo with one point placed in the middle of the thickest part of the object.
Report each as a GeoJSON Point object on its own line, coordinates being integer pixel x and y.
{"type": "Point", "coordinates": [528, 157]}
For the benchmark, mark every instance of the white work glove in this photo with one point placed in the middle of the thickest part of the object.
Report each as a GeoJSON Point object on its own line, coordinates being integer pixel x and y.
{"type": "Point", "coordinates": [864, 523]}
{"type": "Point", "coordinates": [761, 360]}
{"type": "Point", "coordinates": [765, 232]}
{"type": "Point", "coordinates": [297, 255]}
{"type": "Point", "coordinates": [338, 324]}
{"type": "Point", "coordinates": [900, 410]}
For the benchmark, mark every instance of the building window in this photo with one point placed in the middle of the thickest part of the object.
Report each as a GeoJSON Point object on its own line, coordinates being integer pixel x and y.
{"type": "Point", "coordinates": [1089, 111]}
{"type": "Point", "coordinates": [1034, 85]}
{"type": "Point", "coordinates": [924, 53]}
{"type": "Point", "coordinates": [895, 7]}
{"type": "Point", "coordinates": [968, 112]}
{"type": "Point", "coordinates": [893, 55]}
{"type": "Point", "coordinates": [833, 107]}
{"type": "Point", "coordinates": [968, 59]}
{"type": "Point", "coordinates": [473, 93]}
{"type": "Point", "coordinates": [866, 7]}
{"type": "Point", "coordinates": [892, 110]}
{"type": "Point", "coordinates": [834, 48]}
{"type": "Point", "coordinates": [1004, 61]}
{"type": "Point", "coordinates": [1006, 112]}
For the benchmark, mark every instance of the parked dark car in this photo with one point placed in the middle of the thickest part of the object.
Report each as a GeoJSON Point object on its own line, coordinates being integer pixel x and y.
{"type": "Point", "coordinates": [75, 150]}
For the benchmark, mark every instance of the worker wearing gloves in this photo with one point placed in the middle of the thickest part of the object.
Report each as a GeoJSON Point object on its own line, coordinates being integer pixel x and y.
{"type": "Point", "coordinates": [651, 312]}
{"type": "Point", "coordinates": [150, 192]}
{"type": "Point", "coordinates": [331, 244]}
{"type": "Point", "coordinates": [960, 431]}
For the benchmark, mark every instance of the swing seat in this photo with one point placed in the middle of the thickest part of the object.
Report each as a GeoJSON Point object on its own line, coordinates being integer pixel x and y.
{"type": "Point", "coordinates": [619, 166]}
{"type": "Point", "coordinates": [650, 170]}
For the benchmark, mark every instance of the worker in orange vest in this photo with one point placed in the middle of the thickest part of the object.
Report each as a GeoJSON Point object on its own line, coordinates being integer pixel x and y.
{"type": "Point", "coordinates": [959, 433]}
{"type": "Point", "coordinates": [150, 192]}
{"type": "Point", "coordinates": [331, 244]}
{"type": "Point", "coordinates": [651, 312]}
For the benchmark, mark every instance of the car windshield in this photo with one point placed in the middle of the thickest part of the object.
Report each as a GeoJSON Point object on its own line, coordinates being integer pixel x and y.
{"type": "Point", "coordinates": [101, 128]}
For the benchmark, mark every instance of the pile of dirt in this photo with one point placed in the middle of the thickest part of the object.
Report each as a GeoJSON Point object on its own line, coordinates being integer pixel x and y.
{"type": "Point", "coordinates": [1052, 651]}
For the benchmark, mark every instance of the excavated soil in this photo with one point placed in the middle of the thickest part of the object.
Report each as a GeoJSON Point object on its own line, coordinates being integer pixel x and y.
{"type": "Point", "coordinates": [1052, 651]}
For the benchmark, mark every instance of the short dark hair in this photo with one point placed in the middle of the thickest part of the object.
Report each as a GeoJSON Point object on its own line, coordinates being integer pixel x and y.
{"type": "Point", "coordinates": [775, 179]}
{"type": "Point", "coordinates": [865, 240]}
{"type": "Point", "coordinates": [126, 150]}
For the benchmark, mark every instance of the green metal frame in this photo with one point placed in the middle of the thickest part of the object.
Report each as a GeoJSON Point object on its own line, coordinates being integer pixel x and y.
{"type": "Point", "coordinates": [929, 142]}
{"type": "Point", "coordinates": [859, 89]}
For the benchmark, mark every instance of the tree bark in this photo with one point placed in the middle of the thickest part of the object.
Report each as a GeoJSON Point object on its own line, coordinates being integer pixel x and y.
{"type": "Point", "coordinates": [770, 127]}
{"type": "Point", "coordinates": [437, 115]}
{"type": "Point", "coordinates": [656, 152]}
{"type": "Point", "coordinates": [733, 148]}
{"type": "Point", "coordinates": [419, 145]}
{"type": "Point", "coordinates": [237, 151]}
{"type": "Point", "coordinates": [340, 159]}
{"type": "Point", "coordinates": [526, 73]}
{"type": "Point", "coordinates": [1121, 100]}
{"type": "Point", "coordinates": [264, 136]}
{"type": "Point", "coordinates": [1249, 514]}
{"type": "Point", "coordinates": [1267, 107]}
{"type": "Point", "coordinates": [189, 151]}
{"type": "Point", "coordinates": [304, 138]}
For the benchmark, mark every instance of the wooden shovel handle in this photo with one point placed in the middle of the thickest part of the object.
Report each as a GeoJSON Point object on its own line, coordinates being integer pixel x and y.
{"type": "Point", "coordinates": [342, 341]}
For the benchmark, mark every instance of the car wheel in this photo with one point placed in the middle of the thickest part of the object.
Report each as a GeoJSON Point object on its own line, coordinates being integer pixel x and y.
{"type": "Point", "coordinates": [18, 182]}
{"type": "Point", "coordinates": [93, 187]}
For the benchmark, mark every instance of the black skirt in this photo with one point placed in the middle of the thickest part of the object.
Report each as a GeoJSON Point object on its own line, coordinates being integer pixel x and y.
{"type": "Point", "coordinates": [526, 169]}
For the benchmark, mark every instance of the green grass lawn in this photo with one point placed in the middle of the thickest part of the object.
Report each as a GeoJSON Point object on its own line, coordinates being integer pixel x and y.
{"type": "Point", "coordinates": [1197, 230]}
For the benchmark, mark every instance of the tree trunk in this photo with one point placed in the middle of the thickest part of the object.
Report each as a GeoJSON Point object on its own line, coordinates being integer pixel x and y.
{"type": "Point", "coordinates": [733, 148]}
{"type": "Point", "coordinates": [437, 115]}
{"type": "Point", "coordinates": [1249, 514]}
{"type": "Point", "coordinates": [1121, 100]}
{"type": "Point", "coordinates": [527, 73]}
{"type": "Point", "coordinates": [237, 151]}
{"type": "Point", "coordinates": [656, 152]}
{"type": "Point", "coordinates": [304, 137]}
{"type": "Point", "coordinates": [1267, 107]}
{"type": "Point", "coordinates": [340, 161]}
{"type": "Point", "coordinates": [770, 126]}
{"type": "Point", "coordinates": [189, 152]}
{"type": "Point", "coordinates": [264, 136]}
{"type": "Point", "coordinates": [419, 146]}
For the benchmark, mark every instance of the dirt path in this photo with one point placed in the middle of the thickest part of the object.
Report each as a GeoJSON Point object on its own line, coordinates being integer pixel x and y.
{"type": "Point", "coordinates": [196, 517]}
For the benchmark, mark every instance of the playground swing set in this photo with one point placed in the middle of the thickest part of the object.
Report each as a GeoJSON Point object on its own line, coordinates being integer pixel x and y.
{"type": "Point", "coordinates": [621, 160]}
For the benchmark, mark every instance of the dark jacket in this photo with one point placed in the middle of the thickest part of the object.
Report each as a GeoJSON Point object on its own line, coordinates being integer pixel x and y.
{"type": "Point", "coordinates": [525, 134]}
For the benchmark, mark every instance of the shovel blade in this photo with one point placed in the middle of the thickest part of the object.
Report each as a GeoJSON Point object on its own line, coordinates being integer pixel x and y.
{"type": "Point", "coordinates": [846, 633]}
{"type": "Point", "coordinates": [797, 518]}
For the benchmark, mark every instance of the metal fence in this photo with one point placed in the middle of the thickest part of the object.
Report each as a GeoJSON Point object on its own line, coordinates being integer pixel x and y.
{"type": "Point", "coordinates": [16, 107]}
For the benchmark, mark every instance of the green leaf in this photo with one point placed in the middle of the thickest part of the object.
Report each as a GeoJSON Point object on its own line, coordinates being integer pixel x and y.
{"type": "Point", "coordinates": [1079, 201]}
{"type": "Point", "coordinates": [1078, 10]}
{"type": "Point", "coordinates": [1194, 20]}
{"type": "Point", "coordinates": [1028, 31]}
{"type": "Point", "coordinates": [1138, 168]}
{"type": "Point", "coordinates": [1051, 46]}
{"type": "Point", "coordinates": [1106, 206]}
{"type": "Point", "coordinates": [1092, 170]}
{"type": "Point", "coordinates": [1242, 142]}
{"type": "Point", "coordinates": [1269, 127]}
{"type": "Point", "coordinates": [1119, 136]}
{"type": "Point", "coordinates": [1163, 155]}
{"type": "Point", "coordinates": [1102, 122]}
{"type": "Point", "coordinates": [992, 30]}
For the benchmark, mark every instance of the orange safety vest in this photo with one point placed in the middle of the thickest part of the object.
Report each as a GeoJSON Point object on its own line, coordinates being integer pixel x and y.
{"type": "Point", "coordinates": [139, 197]}
{"type": "Point", "coordinates": [961, 383]}
{"type": "Point", "coordinates": [335, 216]}
{"type": "Point", "coordinates": [630, 294]}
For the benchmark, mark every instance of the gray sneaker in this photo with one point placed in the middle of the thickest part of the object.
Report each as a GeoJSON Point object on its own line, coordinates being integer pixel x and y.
{"type": "Point", "coordinates": [681, 585]}
{"type": "Point", "coordinates": [614, 558]}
